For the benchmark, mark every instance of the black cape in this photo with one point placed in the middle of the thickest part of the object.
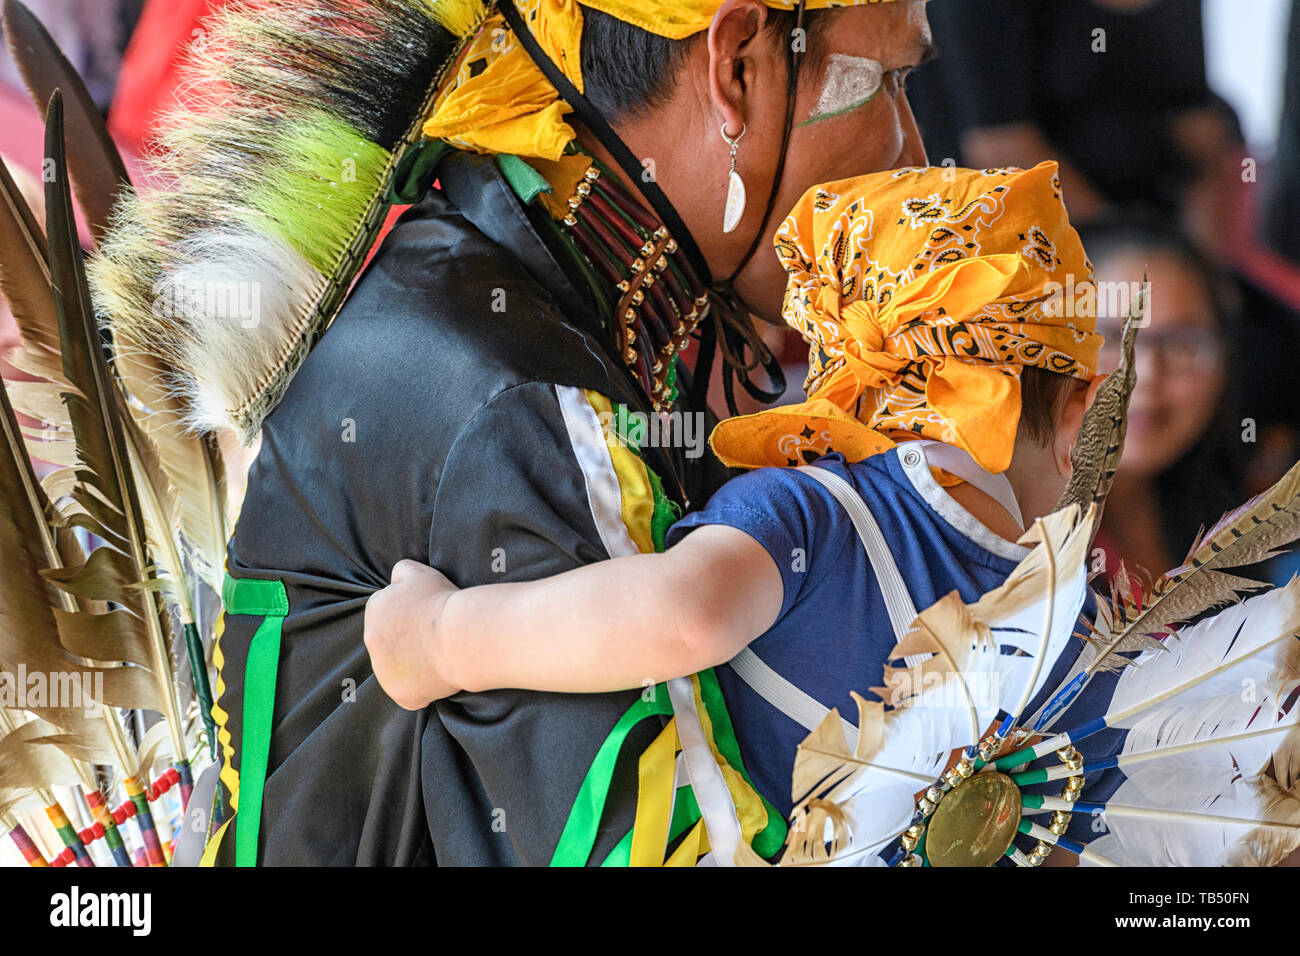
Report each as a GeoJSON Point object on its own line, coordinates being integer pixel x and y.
{"type": "Point", "coordinates": [426, 425]}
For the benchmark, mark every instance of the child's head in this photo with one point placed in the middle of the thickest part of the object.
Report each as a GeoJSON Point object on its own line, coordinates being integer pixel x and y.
{"type": "Point", "coordinates": [937, 303]}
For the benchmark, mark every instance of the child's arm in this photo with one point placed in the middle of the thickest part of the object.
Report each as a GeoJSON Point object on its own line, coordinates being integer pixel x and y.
{"type": "Point", "coordinates": [604, 627]}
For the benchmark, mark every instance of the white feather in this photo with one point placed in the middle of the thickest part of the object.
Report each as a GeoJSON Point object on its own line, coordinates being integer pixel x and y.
{"type": "Point", "coordinates": [1136, 839]}
{"type": "Point", "coordinates": [1176, 724]}
{"type": "Point", "coordinates": [1024, 625]}
{"type": "Point", "coordinates": [1243, 645]}
{"type": "Point", "coordinates": [238, 294]}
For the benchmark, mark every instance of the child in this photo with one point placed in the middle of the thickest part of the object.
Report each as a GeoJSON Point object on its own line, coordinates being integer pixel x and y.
{"type": "Point", "coordinates": [946, 388]}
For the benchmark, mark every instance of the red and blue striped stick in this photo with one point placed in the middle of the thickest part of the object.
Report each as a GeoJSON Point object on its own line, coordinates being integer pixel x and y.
{"type": "Point", "coordinates": [71, 839]}
{"type": "Point", "coordinates": [185, 778]}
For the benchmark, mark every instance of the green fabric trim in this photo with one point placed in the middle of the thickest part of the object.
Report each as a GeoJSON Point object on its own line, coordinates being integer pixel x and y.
{"type": "Point", "coordinates": [665, 514]}
{"type": "Point", "coordinates": [259, 598]}
{"type": "Point", "coordinates": [269, 600]}
{"type": "Point", "coordinates": [414, 173]}
{"type": "Point", "coordinates": [770, 839]}
{"type": "Point", "coordinates": [621, 855]}
{"type": "Point", "coordinates": [579, 836]}
{"type": "Point", "coordinates": [526, 181]}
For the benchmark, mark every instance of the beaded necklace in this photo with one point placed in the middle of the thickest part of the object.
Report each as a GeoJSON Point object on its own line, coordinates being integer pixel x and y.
{"type": "Point", "coordinates": [660, 299]}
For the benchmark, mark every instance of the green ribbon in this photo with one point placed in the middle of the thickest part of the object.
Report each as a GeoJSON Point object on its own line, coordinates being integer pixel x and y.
{"type": "Point", "coordinates": [770, 839]}
{"type": "Point", "coordinates": [579, 836]}
{"type": "Point", "coordinates": [270, 601]}
{"type": "Point", "coordinates": [686, 813]}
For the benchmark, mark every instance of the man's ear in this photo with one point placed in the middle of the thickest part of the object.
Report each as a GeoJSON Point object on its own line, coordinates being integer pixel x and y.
{"type": "Point", "coordinates": [732, 35]}
{"type": "Point", "coordinates": [1077, 403]}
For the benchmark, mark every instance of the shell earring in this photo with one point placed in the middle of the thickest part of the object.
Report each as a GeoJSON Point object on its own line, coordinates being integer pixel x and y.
{"type": "Point", "coordinates": [735, 185]}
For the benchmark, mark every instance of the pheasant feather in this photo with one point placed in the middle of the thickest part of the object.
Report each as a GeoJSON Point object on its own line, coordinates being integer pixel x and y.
{"type": "Point", "coordinates": [1245, 536]}
{"type": "Point", "coordinates": [1096, 454]}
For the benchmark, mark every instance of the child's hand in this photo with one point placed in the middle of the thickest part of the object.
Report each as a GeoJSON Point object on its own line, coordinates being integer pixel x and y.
{"type": "Point", "coordinates": [402, 632]}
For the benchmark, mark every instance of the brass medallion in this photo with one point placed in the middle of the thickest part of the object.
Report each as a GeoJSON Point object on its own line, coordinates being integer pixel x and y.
{"type": "Point", "coordinates": [975, 823]}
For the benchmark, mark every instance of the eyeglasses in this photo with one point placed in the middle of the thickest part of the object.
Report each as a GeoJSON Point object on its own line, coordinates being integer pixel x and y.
{"type": "Point", "coordinates": [1179, 350]}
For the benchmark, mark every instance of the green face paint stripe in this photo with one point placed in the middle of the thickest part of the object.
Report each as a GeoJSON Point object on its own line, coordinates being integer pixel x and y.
{"type": "Point", "coordinates": [840, 112]}
{"type": "Point", "coordinates": [850, 82]}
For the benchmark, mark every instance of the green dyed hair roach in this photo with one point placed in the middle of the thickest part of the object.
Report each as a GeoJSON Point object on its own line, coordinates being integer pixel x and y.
{"type": "Point", "coordinates": [273, 178]}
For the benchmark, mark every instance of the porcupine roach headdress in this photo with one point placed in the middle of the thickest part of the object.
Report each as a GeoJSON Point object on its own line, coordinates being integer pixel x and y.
{"type": "Point", "coordinates": [273, 183]}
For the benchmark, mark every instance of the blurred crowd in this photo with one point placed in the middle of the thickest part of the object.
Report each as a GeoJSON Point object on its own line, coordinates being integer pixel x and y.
{"type": "Point", "coordinates": [1177, 127]}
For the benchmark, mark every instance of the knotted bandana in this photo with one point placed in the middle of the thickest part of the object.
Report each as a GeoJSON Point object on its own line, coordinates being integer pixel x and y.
{"type": "Point", "coordinates": [922, 294]}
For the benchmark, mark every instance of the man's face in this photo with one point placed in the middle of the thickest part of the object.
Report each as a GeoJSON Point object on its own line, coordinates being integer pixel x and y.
{"type": "Point", "coordinates": [842, 128]}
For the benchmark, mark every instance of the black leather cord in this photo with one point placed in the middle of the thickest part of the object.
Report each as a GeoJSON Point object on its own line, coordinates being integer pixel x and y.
{"type": "Point", "coordinates": [601, 129]}
{"type": "Point", "coordinates": [733, 341]}
{"type": "Point", "coordinates": [791, 95]}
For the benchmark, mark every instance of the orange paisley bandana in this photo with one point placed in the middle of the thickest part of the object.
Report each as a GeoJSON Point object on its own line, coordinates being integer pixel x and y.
{"type": "Point", "coordinates": [922, 293]}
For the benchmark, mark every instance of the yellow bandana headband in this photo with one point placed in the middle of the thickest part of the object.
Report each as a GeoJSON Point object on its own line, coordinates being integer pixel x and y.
{"type": "Point", "coordinates": [496, 100]}
{"type": "Point", "coordinates": [922, 294]}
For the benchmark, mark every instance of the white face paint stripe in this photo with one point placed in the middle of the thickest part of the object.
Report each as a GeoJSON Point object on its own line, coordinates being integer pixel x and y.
{"type": "Point", "coordinates": [850, 81]}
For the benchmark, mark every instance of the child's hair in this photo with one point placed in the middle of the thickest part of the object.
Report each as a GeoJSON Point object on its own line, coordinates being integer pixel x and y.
{"type": "Point", "coordinates": [1042, 396]}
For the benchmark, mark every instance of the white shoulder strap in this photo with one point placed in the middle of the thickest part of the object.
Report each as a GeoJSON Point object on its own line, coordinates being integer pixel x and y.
{"type": "Point", "coordinates": [902, 612]}
{"type": "Point", "coordinates": [781, 693]}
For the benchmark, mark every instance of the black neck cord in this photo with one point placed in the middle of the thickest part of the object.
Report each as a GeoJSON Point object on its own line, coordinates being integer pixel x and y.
{"type": "Point", "coordinates": [632, 168]}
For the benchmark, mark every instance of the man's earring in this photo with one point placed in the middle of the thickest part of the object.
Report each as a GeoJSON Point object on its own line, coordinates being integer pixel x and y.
{"type": "Point", "coordinates": [735, 185]}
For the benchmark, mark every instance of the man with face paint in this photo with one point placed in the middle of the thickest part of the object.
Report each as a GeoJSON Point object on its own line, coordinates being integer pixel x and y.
{"type": "Point", "coordinates": [522, 315]}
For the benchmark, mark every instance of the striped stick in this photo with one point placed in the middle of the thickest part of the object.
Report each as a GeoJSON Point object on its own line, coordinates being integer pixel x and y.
{"type": "Point", "coordinates": [71, 839]}
{"type": "Point", "coordinates": [1034, 803]}
{"type": "Point", "coordinates": [26, 847]}
{"type": "Point", "coordinates": [99, 810]}
{"type": "Point", "coordinates": [186, 782]}
{"type": "Point", "coordinates": [1051, 839]}
{"type": "Point", "coordinates": [144, 820]}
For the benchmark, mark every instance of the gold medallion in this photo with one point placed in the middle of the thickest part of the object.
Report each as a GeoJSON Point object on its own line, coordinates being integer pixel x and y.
{"type": "Point", "coordinates": [975, 823]}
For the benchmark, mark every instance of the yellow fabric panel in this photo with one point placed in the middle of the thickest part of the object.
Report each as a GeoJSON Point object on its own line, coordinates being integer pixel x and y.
{"type": "Point", "coordinates": [633, 479]}
{"type": "Point", "coordinates": [210, 851]}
